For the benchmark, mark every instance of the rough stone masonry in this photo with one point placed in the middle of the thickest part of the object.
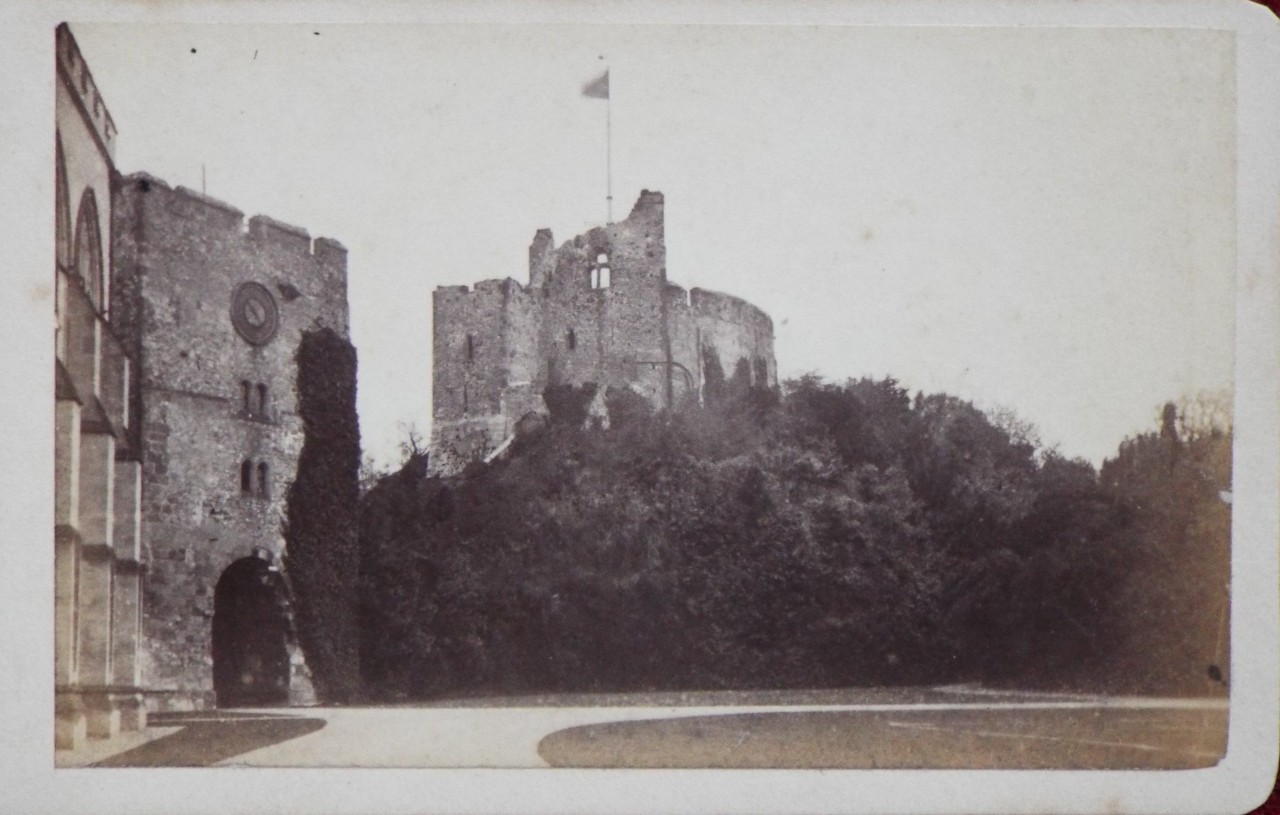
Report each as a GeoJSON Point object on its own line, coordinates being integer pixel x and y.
{"type": "Point", "coordinates": [215, 311]}
{"type": "Point", "coordinates": [597, 309]}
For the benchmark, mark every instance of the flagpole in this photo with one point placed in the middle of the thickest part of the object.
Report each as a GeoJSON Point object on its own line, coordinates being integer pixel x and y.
{"type": "Point", "coordinates": [598, 88]}
{"type": "Point", "coordinates": [608, 151]}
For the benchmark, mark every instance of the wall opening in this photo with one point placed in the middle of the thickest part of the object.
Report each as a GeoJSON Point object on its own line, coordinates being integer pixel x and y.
{"type": "Point", "coordinates": [246, 477]}
{"type": "Point", "coordinates": [600, 272]}
{"type": "Point", "coordinates": [246, 393]}
{"type": "Point", "coordinates": [263, 481]}
{"type": "Point", "coordinates": [471, 348]}
{"type": "Point", "coordinates": [250, 636]}
{"type": "Point", "coordinates": [262, 399]}
{"type": "Point", "coordinates": [572, 340]}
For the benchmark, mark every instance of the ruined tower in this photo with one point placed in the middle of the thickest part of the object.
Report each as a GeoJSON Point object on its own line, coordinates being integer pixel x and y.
{"type": "Point", "coordinates": [597, 309]}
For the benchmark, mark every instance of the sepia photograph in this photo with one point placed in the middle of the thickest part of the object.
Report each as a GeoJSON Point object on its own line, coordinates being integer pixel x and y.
{"type": "Point", "coordinates": [577, 393]}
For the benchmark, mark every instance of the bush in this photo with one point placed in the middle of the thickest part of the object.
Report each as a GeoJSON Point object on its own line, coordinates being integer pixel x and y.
{"type": "Point", "coordinates": [828, 535]}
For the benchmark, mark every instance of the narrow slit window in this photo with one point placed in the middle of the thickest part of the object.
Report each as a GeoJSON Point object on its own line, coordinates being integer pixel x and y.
{"type": "Point", "coordinates": [246, 397]}
{"type": "Point", "coordinates": [246, 477]}
{"type": "Point", "coordinates": [263, 482]}
{"type": "Point", "coordinates": [471, 348]}
{"type": "Point", "coordinates": [262, 399]}
{"type": "Point", "coordinates": [572, 340]}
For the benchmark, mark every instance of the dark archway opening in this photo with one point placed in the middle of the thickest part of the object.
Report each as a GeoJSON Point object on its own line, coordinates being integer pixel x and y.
{"type": "Point", "coordinates": [250, 636]}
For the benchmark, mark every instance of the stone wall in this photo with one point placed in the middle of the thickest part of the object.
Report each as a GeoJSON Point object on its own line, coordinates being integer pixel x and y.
{"type": "Point", "coordinates": [180, 259]}
{"type": "Point", "coordinates": [735, 331]}
{"type": "Point", "coordinates": [597, 309]}
{"type": "Point", "coordinates": [97, 551]}
{"type": "Point", "coordinates": [86, 137]}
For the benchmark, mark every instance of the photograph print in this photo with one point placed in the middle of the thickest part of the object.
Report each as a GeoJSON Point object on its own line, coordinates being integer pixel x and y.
{"type": "Point", "coordinates": [643, 396]}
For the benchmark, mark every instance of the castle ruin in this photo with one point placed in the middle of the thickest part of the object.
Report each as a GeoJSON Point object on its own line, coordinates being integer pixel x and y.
{"type": "Point", "coordinates": [598, 309]}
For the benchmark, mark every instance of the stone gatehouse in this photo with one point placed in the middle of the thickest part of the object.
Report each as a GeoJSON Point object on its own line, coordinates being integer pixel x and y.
{"type": "Point", "coordinates": [177, 432]}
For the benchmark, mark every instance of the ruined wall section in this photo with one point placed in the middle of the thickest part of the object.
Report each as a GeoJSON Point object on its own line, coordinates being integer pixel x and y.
{"type": "Point", "coordinates": [735, 331]}
{"type": "Point", "coordinates": [639, 347]}
{"type": "Point", "coordinates": [524, 371]}
{"type": "Point", "coordinates": [686, 362]}
{"type": "Point", "coordinates": [485, 368]}
{"type": "Point", "coordinates": [617, 317]}
{"type": "Point", "coordinates": [180, 258]}
{"type": "Point", "coordinates": [574, 333]}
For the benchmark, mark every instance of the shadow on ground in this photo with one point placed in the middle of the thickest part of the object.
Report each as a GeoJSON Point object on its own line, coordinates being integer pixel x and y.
{"type": "Point", "coordinates": [208, 737]}
{"type": "Point", "coordinates": [953, 739]}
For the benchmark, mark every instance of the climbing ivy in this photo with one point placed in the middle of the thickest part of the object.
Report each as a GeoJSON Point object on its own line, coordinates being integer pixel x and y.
{"type": "Point", "coordinates": [320, 531]}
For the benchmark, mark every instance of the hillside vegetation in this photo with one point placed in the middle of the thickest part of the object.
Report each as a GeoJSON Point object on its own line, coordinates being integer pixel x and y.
{"type": "Point", "coordinates": [827, 535]}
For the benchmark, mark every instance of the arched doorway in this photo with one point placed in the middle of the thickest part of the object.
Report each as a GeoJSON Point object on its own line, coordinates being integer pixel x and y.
{"type": "Point", "coordinates": [250, 636]}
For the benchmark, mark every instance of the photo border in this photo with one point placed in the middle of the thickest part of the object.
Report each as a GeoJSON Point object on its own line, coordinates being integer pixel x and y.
{"type": "Point", "coordinates": [30, 782]}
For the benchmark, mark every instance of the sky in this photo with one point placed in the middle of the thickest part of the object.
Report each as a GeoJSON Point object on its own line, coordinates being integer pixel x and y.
{"type": "Point", "coordinates": [1037, 219]}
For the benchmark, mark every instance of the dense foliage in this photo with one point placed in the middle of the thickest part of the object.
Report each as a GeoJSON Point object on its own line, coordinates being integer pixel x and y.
{"type": "Point", "coordinates": [321, 555]}
{"type": "Point", "coordinates": [831, 535]}
{"type": "Point", "coordinates": [1175, 485]}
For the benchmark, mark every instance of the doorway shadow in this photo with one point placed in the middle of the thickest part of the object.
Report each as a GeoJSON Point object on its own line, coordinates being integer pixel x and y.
{"type": "Point", "coordinates": [209, 737]}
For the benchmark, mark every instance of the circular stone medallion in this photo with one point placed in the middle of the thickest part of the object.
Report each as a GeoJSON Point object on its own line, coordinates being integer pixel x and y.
{"type": "Point", "coordinates": [254, 313]}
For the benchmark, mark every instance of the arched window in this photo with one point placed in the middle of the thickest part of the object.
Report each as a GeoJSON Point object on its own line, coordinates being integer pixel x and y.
{"type": "Point", "coordinates": [263, 482]}
{"type": "Point", "coordinates": [572, 340]}
{"type": "Point", "coordinates": [88, 250]}
{"type": "Point", "coordinates": [262, 400]}
{"type": "Point", "coordinates": [62, 233]}
{"type": "Point", "coordinates": [246, 477]}
{"type": "Point", "coordinates": [601, 269]}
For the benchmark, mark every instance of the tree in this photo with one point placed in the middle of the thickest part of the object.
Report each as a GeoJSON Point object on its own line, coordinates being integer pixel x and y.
{"type": "Point", "coordinates": [1172, 609]}
{"type": "Point", "coordinates": [321, 555]}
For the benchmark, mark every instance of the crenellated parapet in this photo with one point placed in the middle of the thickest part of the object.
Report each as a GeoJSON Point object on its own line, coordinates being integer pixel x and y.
{"type": "Point", "coordinates": [209, 213]}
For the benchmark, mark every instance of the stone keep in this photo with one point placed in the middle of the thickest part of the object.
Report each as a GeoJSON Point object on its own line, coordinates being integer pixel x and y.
{"type": "Point", "coordinates": [597, 309]}
{"type": "Point", "coordinates": [214, 311]}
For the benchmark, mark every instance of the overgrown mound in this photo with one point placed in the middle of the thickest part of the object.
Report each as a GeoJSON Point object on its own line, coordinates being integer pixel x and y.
{"type": "Point", "coordinates": [836, 535]}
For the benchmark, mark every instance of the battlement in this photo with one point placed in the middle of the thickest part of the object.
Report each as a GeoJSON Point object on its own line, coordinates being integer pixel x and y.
{"type": "Point", "coordinates": [74, 70]}
{"type": "Point", "coordinates": [186, 203]}
{"type": "Point", "coordinates": [731, 309]}
{"type": "Point", "coordinates": [220, 211]}
{"type": "Point", "coordinates": [330, 252]}
{"type": "Point", "coordinates": [269, 230]}
{"type": "Point", "coordinates": [497, 286]}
